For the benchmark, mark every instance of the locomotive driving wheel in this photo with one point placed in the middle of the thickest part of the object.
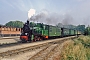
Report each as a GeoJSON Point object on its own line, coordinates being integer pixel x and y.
{"type": "Point", "coordinates": [37, 38]}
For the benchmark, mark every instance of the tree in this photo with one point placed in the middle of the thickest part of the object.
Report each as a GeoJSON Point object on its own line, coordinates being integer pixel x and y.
{"type": "Point", "coordinates": [87, 31]}
{"type": "Point", "coordinates": [81, 28]}
{"type": "Point", "coordinates": [17, 24]}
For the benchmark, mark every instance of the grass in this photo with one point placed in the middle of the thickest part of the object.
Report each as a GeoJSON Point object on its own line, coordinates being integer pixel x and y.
{"type": "Point", "coordinates": [77, 49]}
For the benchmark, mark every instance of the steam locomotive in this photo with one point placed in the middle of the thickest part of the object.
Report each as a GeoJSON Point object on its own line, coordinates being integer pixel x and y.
{"type": "Point", "coordinates": [39, 31]}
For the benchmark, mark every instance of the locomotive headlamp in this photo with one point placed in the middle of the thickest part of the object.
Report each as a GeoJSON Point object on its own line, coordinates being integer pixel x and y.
{"type": "Point", "coordinates": [26, 33]}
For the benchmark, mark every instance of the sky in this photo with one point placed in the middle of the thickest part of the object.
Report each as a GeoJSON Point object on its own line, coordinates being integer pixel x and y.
{"type": "Point", "coordinates": [74, 12]}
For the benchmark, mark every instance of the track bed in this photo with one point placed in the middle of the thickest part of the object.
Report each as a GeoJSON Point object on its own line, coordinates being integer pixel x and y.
{"type": "Point", "coordinates": [32, 49]}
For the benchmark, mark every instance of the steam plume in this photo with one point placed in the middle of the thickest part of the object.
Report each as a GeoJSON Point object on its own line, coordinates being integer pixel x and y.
{"type": "Point", "coordinates": [31, 12]}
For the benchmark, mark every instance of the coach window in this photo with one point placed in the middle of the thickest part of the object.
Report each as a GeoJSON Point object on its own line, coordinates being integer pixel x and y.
{"type": "Point", "coordinates": [16, 29]}
{"type": "Point", "coordinates": [4, 28]}
{"type": "Point", "coordinates": [0, 27]}
{"type": "Point", "coordinates": [46, 27]}
{"type": "Point", "coordinates": [19, 29]}
{"type": "Point", "coordinates": [50, 29]}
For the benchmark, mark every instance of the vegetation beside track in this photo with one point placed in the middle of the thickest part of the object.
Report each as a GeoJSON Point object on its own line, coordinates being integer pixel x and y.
{"type": "Point", "coordinates": [78, 49]}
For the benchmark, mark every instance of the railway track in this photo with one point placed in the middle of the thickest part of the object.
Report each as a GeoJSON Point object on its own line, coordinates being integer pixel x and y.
{"type": "Point", "coordinates": [45, 53]}
{"type": "Point", "coordinates": [7, 44]}
{"type": "Point", "coordinates": [12, 37]}
{"type": "Point", "coordinates": [21, 50]}
{"type": "Point", "coordinates": [46, 47]}
{"type": "Point", "coordinates": [10, 44]}
{"type": "Point", "coordinates": [8, 41]}
{"type": "Point", "coordinates": [43, 47]}
{"type": "Point", "coordinates": [42, 55]}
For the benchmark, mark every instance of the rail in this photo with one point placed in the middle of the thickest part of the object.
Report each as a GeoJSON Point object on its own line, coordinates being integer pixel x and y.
{"type": "Point", "coordinates": [25, 49]}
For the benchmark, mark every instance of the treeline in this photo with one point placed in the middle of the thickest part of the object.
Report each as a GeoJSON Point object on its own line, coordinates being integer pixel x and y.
{"type": "Point", "coordinates": [16, 24]}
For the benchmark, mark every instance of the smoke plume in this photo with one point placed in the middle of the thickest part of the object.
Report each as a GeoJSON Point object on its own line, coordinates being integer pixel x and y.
{"type": "Point", "coordinates": [51, 18]}
{"type": "Point", "coordinates": [67, 19]}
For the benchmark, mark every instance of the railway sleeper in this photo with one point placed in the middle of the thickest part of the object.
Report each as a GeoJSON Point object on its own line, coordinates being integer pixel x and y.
{"type": "Point", "coordinates": [39, 54]}
{"type": "Point", "coordinates": [50, 53]}
{"type": "Point", "coordinates": [17, 51]}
